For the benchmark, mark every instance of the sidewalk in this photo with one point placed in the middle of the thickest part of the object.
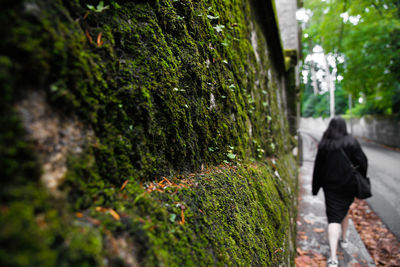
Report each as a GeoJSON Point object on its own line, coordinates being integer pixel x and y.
{"type": "Point", "coordinates": [312, 237]}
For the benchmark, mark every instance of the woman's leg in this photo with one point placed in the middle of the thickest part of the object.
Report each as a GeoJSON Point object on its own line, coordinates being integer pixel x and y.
{"type": "Point", "coordinates": [333, 235]}
{"type": "Point", "coordinates": [345, 224]}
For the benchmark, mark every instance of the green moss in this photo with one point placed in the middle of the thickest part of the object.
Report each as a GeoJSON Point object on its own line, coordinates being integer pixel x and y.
{"type": "Point", "coordinates": [167, 91]}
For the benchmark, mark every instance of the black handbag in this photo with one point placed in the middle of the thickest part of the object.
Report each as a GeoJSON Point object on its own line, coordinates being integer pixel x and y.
{"type": "Point", "coordinates": [363, 183]}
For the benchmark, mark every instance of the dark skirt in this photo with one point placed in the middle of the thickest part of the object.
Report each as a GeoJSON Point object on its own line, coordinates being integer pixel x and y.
{"type": "Point", "coordinates": [337, 203]}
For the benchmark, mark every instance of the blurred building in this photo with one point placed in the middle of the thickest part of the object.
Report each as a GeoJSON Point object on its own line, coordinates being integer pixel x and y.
{"type": "Point", "coordinates": [290, 37]}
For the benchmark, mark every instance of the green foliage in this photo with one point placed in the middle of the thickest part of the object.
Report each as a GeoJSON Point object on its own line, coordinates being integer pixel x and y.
{"type": "Point", "coordinates": [341, 101]}
{"type": "Point", "coordinates": [318, 105]}
{"type": "Point", "coordinates": [100, 7]}
{"type": "Point", "coordinates": [366, 35]}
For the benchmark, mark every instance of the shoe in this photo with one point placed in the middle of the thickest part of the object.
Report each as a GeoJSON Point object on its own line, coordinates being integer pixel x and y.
{"type": "Point", "coordinates": [343, 243]}
{"type": "Point", "coordinates": [332, 263]}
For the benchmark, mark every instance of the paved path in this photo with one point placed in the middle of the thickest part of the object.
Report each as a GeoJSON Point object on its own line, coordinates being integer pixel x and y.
{"type": "Point", "coordinates": [312, 222]}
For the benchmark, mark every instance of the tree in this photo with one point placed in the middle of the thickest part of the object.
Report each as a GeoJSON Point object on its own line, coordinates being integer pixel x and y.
{"type": "Point", "coordinates": [363, 38]}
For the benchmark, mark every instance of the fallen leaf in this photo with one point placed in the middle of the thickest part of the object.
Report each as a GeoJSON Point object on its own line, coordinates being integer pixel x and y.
{"type": "Point", "coordinates": [300, 252]}
{"type": "Point", "coordinates": [86, 15]}
{"type": "Point", "coordinates": [93, 221]}
{"type": "Point", "coordinates": [124, 185]}
{"type": "Point", "coordinates": [303, 237]}
{"type": "Point", "coordinates": [308, 221]}
{"type": "Point", "coordinates": [318, 230]}
{"type": "Point", "coordinates": [151, 228]}
{"type": "Point", "coordinates": [114, 214]}
{"type": "Point", "coordinates": [99, 41]}
{"type": "Point", "coordinates": [383, 261]}
{"type": "Point", "coordinates": [381, 244]}
{"type": "Point", "coordinates": [89, 37]}
{"type": "Point", "coordinates": [182, 221]}
{"type": "Point", "coordinates": [101, 209]}
{"type": "Point", "coordinates": [302, 261]}
{"type": "Point", "coordinates": [4, 209]}
{"type": "Point", "coordinates": [168, 182]}
{"type": "Point", "coordinates": [109, 210]}
{"type": "Point", "coordinates": [386, 247]}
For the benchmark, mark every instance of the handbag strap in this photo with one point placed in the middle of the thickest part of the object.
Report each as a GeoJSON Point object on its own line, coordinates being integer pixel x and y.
{"type": "Point", "coordinates": [347, 159]}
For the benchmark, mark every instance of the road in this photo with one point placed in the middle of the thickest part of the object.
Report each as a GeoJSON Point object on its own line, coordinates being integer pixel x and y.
{"type": "Point", "coordinates": [384, 172]}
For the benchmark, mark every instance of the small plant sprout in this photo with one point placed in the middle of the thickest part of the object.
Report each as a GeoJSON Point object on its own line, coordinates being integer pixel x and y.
{"type": "Point", "coordinates": [219, 27]}
{"type": "Point", "coordinates": [260, 152]}
{"type": "Point", "coordinates": [172, 217]}
{"type": "Point", "coordinates": [212, 17]}
{"type": "Point", "coordinates": [54, 88]}
{"type": "Point", "coordinates": [225, 42]}
{"type": "Point", "coordinates": [272, 145]}
{"type": "Point", "coordinates": [99, 8]}
{"type": "Point", "coordinates": [115, 5]}
{"type": "Point", "coordinates": [231, 156]}
{"type": "Point", "coordinates": [230, 153]}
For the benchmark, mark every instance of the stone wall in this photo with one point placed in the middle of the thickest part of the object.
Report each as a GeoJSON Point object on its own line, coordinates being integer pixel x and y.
{"type": "Point", "coordinates": [381, 130]}
{"type": "Point", "coordinates": [144, 133]}
{"type": "Point", "coordinates": [318, 125]}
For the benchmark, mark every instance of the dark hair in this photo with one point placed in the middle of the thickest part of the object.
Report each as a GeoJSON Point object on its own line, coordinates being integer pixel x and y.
{"type": "Point", "coordinates": [335, 134]}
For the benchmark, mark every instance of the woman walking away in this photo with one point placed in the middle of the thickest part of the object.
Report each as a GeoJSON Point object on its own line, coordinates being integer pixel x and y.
{"type": "Point", "coordinates": [333, 173]}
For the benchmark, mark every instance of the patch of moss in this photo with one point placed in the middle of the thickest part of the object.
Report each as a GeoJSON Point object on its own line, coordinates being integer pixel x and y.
{"type": "Point", "coordinates": [169, 86]}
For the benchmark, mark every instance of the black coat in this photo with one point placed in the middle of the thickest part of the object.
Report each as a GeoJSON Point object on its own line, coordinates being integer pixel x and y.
{"type": "Point", "coordinates": [331, 169]}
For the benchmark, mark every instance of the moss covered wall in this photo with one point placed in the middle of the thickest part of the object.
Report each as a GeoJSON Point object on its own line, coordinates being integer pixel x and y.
{"type": "Point", "coordinates": [184, 155]}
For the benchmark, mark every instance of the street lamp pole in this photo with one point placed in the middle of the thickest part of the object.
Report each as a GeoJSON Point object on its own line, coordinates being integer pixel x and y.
{"type": "Point", "coordinates": [351, 114]}
{"type": "Point", "coordinates": [332, 100]}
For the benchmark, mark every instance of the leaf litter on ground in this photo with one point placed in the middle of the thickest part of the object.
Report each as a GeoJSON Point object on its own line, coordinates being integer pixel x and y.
{"type": "Point", "coordinates": [382, 245]}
